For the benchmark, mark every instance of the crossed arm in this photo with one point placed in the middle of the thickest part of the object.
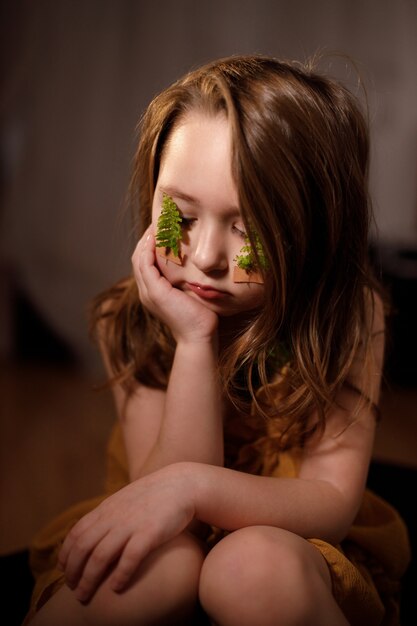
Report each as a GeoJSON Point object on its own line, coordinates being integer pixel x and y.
{"type": "Point", "coordinates": [174, 443]}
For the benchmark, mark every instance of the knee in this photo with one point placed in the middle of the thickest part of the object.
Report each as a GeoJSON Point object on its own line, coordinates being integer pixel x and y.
{"type": "Point", "coordinates": [258, 569]}
{"type": "Point", "coordinates": [248, 559]}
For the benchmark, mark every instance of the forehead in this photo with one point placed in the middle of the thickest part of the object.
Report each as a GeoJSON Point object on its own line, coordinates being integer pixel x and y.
{"type": "Point", "coordinates": [198, 132]}
{"type": "Point", "coordinates": [197, 157]}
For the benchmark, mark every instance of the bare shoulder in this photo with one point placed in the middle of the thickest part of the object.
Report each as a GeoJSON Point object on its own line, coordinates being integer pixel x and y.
{"type": "Point", "coordinates": [367, 366]}
{"type": "Point", "coordinates": [343, 450]}
{"type": "Point", "coordinates": [341, 455]}
{"type": "Point", "coordinates": [376, 312]}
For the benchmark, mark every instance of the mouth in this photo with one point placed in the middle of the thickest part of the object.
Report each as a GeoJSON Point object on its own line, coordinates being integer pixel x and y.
{"type": "Point", "coordinates": [207, 292]}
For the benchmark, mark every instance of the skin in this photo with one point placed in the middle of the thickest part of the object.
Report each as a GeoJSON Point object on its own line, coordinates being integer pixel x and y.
{"type": "Point", "coordinates": [138, 558]}
{"type": "Point", "coordinates": [196, 173]}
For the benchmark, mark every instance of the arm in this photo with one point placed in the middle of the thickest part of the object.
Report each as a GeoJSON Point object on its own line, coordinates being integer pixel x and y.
{"type": "Point", "coordinates": [185, 421]}
{"type": "Point", "coordinates": [322, 502]}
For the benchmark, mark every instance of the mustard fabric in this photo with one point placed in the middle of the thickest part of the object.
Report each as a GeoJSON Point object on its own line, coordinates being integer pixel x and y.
{"type": "Point", "coordinates": [365, 569]}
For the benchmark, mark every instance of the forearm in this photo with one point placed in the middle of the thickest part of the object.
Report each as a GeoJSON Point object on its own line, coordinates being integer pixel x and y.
{"type": "Point", "coordinates": [230, 500]}
{"type": "Point", "coordinates": [191, 425]}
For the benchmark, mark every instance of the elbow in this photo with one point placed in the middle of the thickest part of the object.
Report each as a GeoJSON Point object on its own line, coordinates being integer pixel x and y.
{"type": "Point", "coordinates": [338, 516]}
{"type": "Point", "coordinates": [337, 533]}
{"type": "Point", "coordinates": [335, 529]}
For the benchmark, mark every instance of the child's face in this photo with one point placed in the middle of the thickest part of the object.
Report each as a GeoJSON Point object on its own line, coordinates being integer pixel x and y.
{"type": "Point", "coordinates": [196, 173]}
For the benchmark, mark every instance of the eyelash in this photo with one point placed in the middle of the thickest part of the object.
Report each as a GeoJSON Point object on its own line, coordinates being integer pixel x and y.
{"type": "Point", "coordinates": [240, 232]}
{"type": "Point", "coordinates": [186, 222]}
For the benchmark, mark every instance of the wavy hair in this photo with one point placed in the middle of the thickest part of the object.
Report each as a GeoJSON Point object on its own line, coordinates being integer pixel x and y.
{"type": "Point", "coordinates": [300, 164]}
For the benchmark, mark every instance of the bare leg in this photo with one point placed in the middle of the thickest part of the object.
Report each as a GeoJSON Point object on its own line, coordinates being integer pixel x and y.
{"type": "Point", "coordinates": [265, 576]}
{"type": "Point", "coordinates": [165, 590]}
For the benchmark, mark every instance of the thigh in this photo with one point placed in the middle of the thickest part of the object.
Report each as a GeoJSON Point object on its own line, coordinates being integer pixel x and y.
{"type": "Point", "coordinates": [164, 588]}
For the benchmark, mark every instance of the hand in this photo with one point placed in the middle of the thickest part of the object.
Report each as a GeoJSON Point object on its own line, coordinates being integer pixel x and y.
{"type": "Point", "coordinates": [125, 528]}
{"type": "Point", "coordinates": [188, 319]}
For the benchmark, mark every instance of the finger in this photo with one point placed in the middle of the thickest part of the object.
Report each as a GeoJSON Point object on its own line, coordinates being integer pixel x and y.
{"type": "Point", "coordinates": [150, 238]}
{"type": "Point", "coordinates": [98, 564]}
{"type": "Point", "coordinates": [144, 258]}
{"type": "Point", "coordinates": [80, 551]}
{"type": "Point", "coordinates": [149, 279]}
{"type": "Point", "coordinates": [142, 276]}
{"type": "Point", "coordinates": [132, 556]}
{"type": "Point", "coordinates": [147, 240]}
{"type": "Point", "coordinates": [140, 246]}
{"type": "Point", "coordinates": [76, 531]}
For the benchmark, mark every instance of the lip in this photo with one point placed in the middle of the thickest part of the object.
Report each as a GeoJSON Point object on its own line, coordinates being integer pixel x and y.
{"type": "Point", "coordinates": [207, 292]}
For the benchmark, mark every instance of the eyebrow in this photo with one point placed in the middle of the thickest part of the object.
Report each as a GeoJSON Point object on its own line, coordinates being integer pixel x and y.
{"type": "Point", "coordinates": [174, 192]}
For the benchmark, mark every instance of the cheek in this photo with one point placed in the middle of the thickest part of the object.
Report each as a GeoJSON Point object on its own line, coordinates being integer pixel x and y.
{"type": "Point", "coordinates": [169, 270]}
{"type": "Point", "coordinates": [155, 215]}
{"type": "Point", "coordinates": [252, 295]}
{"type": "Point", "coordinates": [162, 264]}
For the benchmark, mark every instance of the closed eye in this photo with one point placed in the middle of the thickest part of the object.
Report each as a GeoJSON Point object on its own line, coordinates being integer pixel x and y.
{"type": "Point", "coordinates": [186, 222]}
{"type": "Point", "coordinates": [239, 231]}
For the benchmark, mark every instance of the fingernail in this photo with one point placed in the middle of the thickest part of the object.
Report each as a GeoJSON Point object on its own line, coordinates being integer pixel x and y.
{"type": "Point", "coordinates": [81, 595]}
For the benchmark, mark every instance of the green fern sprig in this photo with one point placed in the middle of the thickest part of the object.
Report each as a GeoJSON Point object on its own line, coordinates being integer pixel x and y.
{"type": "Point", "coordinates": [169, 226]}
{"type": "Point", "coordinates": [246, 260]}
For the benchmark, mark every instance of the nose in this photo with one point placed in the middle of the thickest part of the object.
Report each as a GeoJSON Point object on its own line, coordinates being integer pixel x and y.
{"type": "Point", "coordinates": [209, 250]}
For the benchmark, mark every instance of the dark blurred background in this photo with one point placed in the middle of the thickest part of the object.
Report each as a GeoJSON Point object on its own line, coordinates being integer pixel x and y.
{"type": "Point", "coordinates": [75, 78]}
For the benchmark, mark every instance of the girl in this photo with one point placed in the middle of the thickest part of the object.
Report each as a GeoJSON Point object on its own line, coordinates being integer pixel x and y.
{"type": "Point", "coordinates": [246, 354]}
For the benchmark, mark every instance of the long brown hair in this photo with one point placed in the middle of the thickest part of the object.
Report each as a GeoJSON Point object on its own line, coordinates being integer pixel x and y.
{"type": "Point", "coordinates": [300, 164]}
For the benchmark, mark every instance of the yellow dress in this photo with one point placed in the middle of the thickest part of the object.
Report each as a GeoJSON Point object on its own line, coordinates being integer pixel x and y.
{"type": "Point", "coordinates": [365, 569]}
